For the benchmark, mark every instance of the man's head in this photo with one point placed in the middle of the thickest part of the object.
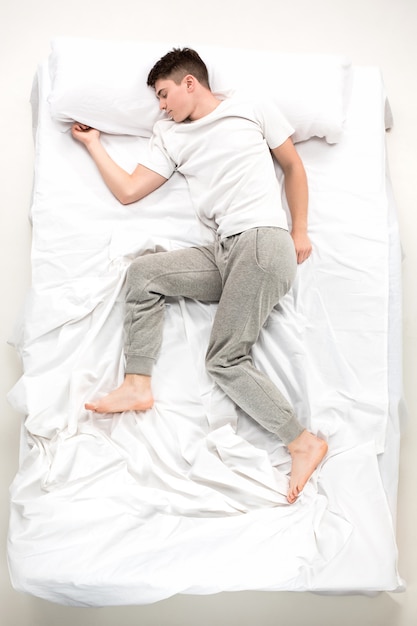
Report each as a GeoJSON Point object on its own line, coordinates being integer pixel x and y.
{"type": "Point", "coordinates": [176, 64]}
{"type": "Point", "coordinates": [181, 83]}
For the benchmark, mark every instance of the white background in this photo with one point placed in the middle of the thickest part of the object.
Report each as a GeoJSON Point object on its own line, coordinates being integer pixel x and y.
{"type": "Point", "coordinates": [370, 32]}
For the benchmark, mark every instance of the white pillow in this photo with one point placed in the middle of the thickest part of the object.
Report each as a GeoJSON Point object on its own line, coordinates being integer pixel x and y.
{"type": "Point", "coordinates": [103, 84]}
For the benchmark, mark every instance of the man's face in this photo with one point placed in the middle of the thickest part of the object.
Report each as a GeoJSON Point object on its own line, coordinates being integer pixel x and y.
{"type": "Point", "coordinates": [174, 99]}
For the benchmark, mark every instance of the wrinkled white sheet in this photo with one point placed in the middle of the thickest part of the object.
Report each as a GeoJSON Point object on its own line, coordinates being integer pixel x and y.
{"type": "Point", "coordinates": [189, 497]}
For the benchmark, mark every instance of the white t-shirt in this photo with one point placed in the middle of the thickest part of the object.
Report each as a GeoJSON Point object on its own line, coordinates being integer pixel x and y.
{"type": "Point", "coordinates": [226, 160]}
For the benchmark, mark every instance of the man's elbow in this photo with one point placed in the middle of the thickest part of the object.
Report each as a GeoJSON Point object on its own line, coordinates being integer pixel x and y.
{"type": "Point", "coordinates": [128, 196]}
{"type": "Point", "coordinates": [125, 199]}
{"type": "Point", "coordinates": [137, 186]}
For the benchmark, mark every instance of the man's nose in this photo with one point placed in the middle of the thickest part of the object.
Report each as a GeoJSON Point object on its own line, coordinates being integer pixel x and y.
{"type": "Point", "coordinates": [162, 105]}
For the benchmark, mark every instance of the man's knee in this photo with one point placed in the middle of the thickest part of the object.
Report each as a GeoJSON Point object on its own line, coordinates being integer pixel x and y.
{"type": "Point", "coordinates": [220, 365]}
{"type": "Point", "coordinates": [215, 364]}
{"type": "Point", "coordinates": [139, 274]}
{"type": "Point", "coordinates": [210, 366]}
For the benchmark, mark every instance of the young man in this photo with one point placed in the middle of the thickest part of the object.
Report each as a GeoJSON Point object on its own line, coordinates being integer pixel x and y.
{"type": "Point", "coordinates": [223, 148]}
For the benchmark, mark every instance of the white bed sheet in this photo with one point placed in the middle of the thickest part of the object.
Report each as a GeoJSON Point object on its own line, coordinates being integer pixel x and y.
{"type": "Point", "coordinates": [189, 497]}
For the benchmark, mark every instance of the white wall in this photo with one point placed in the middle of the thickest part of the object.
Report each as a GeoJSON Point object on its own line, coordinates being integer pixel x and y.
{"type": "Point", "coordinates": [376, 32]}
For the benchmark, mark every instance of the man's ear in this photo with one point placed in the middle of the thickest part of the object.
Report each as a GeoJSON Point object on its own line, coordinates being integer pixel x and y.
{"type": "Point", "coordinates": [190, 82]}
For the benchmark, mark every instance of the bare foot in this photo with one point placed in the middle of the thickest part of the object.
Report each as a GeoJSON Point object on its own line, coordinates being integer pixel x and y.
{"type": "Point", "coordinates": [135, 394]}
{"type": "Point", "coordinates": [306, 452]}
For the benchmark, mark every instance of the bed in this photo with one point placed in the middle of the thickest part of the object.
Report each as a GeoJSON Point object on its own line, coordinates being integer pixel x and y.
{"type": "Point", "coordinates": [189, 497]}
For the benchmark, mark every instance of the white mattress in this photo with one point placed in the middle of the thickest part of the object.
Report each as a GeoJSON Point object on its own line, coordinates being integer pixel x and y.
{"type": "Point", "coordinates": [189, 497]}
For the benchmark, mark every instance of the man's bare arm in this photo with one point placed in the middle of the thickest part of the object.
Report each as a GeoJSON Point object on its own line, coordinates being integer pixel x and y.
{"type": "Point", "coordinates": [125, 186]}
{"type": "Point", "coordinates": [296, 190]}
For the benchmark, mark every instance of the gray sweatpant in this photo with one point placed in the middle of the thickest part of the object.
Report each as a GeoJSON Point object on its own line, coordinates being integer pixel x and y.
{"type": "Point", "coordinates": [246, 274]}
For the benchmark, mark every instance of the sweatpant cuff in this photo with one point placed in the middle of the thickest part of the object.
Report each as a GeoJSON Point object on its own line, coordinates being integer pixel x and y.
{"type": "Point", "coordinates": [290, 431]}
{"type": "Point", "coordinates": [138, 364]}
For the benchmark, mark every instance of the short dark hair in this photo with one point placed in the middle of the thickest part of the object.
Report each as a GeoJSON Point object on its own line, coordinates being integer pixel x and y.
{"type": "Point", "coordinates": [178, 63]}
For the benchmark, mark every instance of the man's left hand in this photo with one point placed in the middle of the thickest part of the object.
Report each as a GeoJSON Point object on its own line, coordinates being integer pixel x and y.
{"type": "Point", "coordinates": [302, 245]}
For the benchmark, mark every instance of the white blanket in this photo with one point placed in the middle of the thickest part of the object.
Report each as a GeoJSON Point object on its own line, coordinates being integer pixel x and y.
{"type": "Point", "coordinates": [189, 497]}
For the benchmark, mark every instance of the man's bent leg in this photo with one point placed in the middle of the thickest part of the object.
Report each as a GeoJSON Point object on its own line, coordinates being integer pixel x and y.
{"type": "Point", "coordinates": [258, 270]}
{"type": "Point", "coordinates": [189, 273]}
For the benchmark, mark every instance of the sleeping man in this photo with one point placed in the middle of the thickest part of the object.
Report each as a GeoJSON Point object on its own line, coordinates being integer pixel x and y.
{"type": "Point", "coordinates": [223, 148]}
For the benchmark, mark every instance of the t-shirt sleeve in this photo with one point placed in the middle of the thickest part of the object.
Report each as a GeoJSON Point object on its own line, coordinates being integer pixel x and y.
{"type": "Point", "coordinates": [156, 157]}
{"type": "Point", "coordinates": [275, 126]}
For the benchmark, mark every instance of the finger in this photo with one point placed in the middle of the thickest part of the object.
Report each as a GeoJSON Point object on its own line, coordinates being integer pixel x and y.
{"type": "Point", "coordinates": [81, 127]}
{"type": "Point", "coordinates": [303, 255]}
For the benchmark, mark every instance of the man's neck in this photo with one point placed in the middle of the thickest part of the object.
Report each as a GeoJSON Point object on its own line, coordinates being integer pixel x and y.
{"type": "Point", "coordinates": [205, 106]}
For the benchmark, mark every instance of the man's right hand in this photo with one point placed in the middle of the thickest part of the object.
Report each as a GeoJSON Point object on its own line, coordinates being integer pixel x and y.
{"type": "Point", "coordinates": [83, 133]}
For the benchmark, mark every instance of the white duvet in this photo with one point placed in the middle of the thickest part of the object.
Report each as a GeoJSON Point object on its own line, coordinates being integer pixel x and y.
{"type": "Point", "coordinates": [189, 497]}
